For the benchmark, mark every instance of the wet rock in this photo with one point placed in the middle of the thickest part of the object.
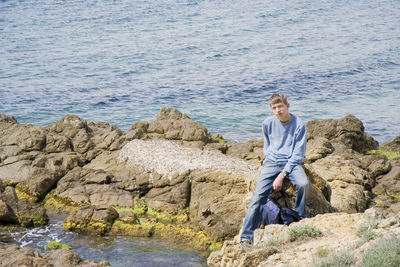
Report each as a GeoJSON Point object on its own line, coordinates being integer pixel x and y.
{"type": "Point", "coordinates": [12, 255]}
{"type": "Point", "coordinates": [19, 211]}
{"type": "Point", "coordinates": [86, 186]}
{"type": "Point", "coordinates": [97, 219]}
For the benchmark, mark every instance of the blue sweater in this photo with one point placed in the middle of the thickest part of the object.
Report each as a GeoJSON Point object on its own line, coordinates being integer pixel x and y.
{"type": "Point", "coordinates": [285, 142]}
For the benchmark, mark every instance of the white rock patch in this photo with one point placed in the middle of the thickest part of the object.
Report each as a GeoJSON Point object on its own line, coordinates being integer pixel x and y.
{"type": "Point", "coordinates": [166, 157]}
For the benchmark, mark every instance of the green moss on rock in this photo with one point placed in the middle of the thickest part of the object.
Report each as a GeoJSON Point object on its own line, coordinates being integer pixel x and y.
{"type": "Point", "coordinates": [53, 245]}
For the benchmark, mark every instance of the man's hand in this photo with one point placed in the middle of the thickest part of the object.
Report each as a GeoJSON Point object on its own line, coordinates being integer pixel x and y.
{"type": "Point", "coordinates": [277, 185]}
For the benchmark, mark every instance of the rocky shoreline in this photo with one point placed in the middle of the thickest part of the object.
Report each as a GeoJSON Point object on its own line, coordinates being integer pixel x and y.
{"type": "Point", "coordinates": [170, 178]}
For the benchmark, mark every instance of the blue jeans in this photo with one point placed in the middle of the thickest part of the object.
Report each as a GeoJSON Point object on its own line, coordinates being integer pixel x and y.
{"type": "Point", "coordinates": [269, 172]}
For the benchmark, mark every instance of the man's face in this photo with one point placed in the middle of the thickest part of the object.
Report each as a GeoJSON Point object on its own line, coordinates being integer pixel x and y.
{"type": "Point", "coordinates": [281, 111]}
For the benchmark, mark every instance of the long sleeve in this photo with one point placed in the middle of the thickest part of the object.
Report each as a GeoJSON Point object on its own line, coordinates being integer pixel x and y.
{"type": "Point", "coordinates": [298, 155]}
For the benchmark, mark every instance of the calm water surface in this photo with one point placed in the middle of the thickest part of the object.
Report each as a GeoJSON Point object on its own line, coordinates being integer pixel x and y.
{"type": "Point", "coordinates": [217, 61]}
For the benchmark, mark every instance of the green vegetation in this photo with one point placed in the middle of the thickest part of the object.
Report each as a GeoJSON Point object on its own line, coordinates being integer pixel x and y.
{"type": "Point", "coordinates": [365, 231]}
{"type": "Point", "coordinates": [339, 259]}
{"type": "Point", "coordinates": [367, 236]}
{"type": "Point", "coordinates": [389, 154]}
{"type": "Point", "coordinates": [385, 253]}
{"type": "Point", "coordinates": [303, 230]}
{"type": "Point", "coordinates": [393, 196]}
{"type": "Point", "coordinates": [273, 241]}
{"type": "Point", "coordinates": [52, 245]}
{"type": "Point", "coordinates": [151, 223]}
{"type": "Point", "coordinates": [218, 138]}
{"type": "Point", "coordinates": [322, 252]}
{"type": "Point", "coordinates": [144, 213]}
{"type": "Point", "coordinates": [369, 225]}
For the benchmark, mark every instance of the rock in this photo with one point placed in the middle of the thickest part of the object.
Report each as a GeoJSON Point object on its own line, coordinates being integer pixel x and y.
{"type": "Point", "coordinates": [66, 257]}
{"type": "Point", "coordinates": [19, 211]}
{"type": "Point", "coordinates": [86, 138]}
{"type": "Point", "coordinates": [234, 255]}
{"type": "Point", "coordinates": [26, 137]}
{"type": "Point", "coordinates": [7, 216]}
{"type": "Point", "coordinates": [340, 232]}
{"type": "Point", "coordinates": [393, 146]}
{"type": "Point", "coordinates": [87, 186]}
{"type": "Point", "coordinates": [387, 191]}
{"type": "Point", "coordinates": [12, 255]}
{"type": "Point", "coordinates": [57, 143]}
{"type": "Point", "coordinates": [318, 148]}
{"type": "Point", "coordinates": [73, 164]}
{"type": "Point", "coordinates": [46, 170]}
{"type": "Point", "coordinates": [31, 215]}
{"type": "Point", "coordinates": [250, 151]}
{"type": "Point", "coordinates": [97, 219]}
{"type": "Point", "coordinates": [217, 203]}
{"type": "Point", "coordinates": [172, 199]}
{"type": "Point", "coordinates": [348, 131]}
{"type": "Point", "coordinates": [171, 124]}
{"type": "Point", "coordinates": [6, 120]}
{"type": "Point", "coordinates": [351, 177]}
{"type": "Point", "coordinates": [53, 245]}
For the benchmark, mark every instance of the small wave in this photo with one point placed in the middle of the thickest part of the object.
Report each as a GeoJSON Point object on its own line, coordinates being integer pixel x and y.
{"type": "Point", "coordinates": [100, 104]}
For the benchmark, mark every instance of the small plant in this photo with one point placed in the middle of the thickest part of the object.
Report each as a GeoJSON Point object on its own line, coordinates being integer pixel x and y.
{"type": "Point", "coordinates": [368, 226]}
{"type": "Point", "coordinates": [273, 241]}
{"type": "Point", "coordinates": [339, 259]}
{"type": "Point", "coordinates": [52, 245]}
{"type": "Point", "coordinates": [303, 230]}
{"type": "Point", "coordinates": [386, 252]}
{"type": "Point", "coordinates": [218, 138]}
{"type": "Point", "coordinates": [322, 252]}
{"type": "Point", "coordinates": [365, 231]}
{"type": "Point", "coordinates": [367, 236]}
{"type": "Point", "coordinates": [389, 154]}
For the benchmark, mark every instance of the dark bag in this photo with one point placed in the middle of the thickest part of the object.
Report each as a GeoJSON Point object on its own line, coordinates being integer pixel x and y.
{"type": "Point", "coordinates": [271, 213]}
{"type": "Point", "coordinates": [288, 216]}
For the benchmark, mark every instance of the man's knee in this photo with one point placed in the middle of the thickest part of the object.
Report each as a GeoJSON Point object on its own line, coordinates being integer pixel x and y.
{"type": "Point", "coordinates": [303, 184]}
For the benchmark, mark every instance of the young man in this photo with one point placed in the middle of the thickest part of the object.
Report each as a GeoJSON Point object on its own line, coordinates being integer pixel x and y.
{"type": "Point", "coordinates": [284, 149]}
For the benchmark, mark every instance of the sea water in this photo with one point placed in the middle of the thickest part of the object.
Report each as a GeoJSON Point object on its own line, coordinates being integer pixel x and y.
{"type": "Point", "coordinates": [217, 61]}
{"type": "Point", "coordinates": [119, 251]}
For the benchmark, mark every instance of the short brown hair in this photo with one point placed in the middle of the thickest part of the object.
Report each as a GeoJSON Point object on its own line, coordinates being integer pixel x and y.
{"type": "Point", "coordinates": [277, 98]}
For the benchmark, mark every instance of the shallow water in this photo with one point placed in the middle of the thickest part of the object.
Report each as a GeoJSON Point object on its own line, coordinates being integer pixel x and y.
{"type": "Point", "coordinates": [217, 61]}
{"type": "Point", "coordinates": [119, 251]}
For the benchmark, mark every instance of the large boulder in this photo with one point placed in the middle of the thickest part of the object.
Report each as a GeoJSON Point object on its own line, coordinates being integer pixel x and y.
{"type": "Point", "coordinates": [19, 211]}
{"type": "Point", "coordinates": [351, 177]}
{"type": "Point", "coordinates": [334, 153]}
{"type": "Point", "coordinates": [97, 219]}
{"type": "Point", "coordinates": [348, 131]}
{"type": "Point", "coordinates": [170, 124]}
{"type": "Point", "coordinates": [88, 139]}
